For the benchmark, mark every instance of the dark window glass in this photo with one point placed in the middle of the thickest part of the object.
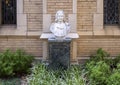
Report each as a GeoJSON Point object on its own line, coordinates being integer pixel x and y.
{"type": "Point", "coordinates": [8, 11]}
{"type": "Point", "coordinates": [111, 12]}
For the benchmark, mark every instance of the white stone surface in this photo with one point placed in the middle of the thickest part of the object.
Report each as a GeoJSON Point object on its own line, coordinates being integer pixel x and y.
{"type": "Point", "coordinates": [44, 6]}
{"type": "Point", "coordinates": [98, 19]}
{"type": "Point", "coordinates": [73, 22]}
{"type": "Point", "coordinates": [74, 6]}
{"type": "Point", "coordinates": [19, 6]}
{"type": "Point", "coordinates": [60, 28]}
{"type": "Point", "coordinates": [46, 22]}
{"type": "Point", "coordinates": [50, 35]}
{"type": "Point", "coordinates": [22, 20]}
{"type": "Point", "coordinates": [100, 6]}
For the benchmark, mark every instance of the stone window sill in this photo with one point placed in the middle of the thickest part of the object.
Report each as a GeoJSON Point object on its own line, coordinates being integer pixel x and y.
{"type": "Point", "coordinates": [9, 30]}
{"type": "Point", "coordinates": [106, 31]}
{"type": "Point", "coordinates": [112, 30]}
{"type": "Point", "coordinates": [8, 26]}
{"type": "Point", "coordinates": [48, 35]}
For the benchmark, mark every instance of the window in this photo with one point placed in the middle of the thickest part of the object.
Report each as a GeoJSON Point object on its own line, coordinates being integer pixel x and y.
{"type": "Point", "coordinates": [8, 12]}
{"type": "Point", "coordinates": [111, 12]}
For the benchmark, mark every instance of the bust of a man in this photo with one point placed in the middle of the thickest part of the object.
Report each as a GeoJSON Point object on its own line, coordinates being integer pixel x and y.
{"type": "Point", "coordinates": [60, 28]}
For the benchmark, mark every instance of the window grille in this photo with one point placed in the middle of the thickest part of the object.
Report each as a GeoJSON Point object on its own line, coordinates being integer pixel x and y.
{"type": "Point", "coordinates": [111, 12]}
{"type": "Point", "coordinates": [8, 11]}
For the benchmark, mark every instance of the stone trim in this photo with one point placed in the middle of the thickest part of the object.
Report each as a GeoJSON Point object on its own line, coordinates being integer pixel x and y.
{"type": "Point", "coordinates": [98, 16]}
{"type": "Point", "coordinates": [73, 17]}
{"type": "Point", "coordinates": [0, 12]}
{"type": "Point", "coordinates": [45, 50]}
{"type": "Point", "coordinates": [75, 6]}
{"type": "Point", "coordinates": [74, 51]}
{"type": "Point", "coordinates": [73, 22]}
{"type": "Point", "coordinates": [44, 6]}
{"type": "Point", "coordinates": [48, 35]}
{"type": "Point", "coordinates": [46, 19]}
{"type": "Point", "coordinates": [100, 6]}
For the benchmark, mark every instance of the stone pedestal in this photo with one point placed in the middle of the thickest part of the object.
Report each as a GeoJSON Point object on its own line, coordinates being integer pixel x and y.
{"type": "Point", "coordinates": [59, 53]}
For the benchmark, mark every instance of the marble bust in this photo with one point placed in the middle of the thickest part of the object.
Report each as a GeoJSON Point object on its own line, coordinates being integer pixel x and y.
{"type": "Point", "coordinates": [60, 28]}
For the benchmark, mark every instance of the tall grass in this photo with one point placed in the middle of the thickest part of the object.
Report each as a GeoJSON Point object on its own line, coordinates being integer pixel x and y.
{"type": "Point", "coordinates": [42, 76]}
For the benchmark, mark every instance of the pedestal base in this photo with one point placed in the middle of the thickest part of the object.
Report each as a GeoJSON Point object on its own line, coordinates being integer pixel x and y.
{"type": "Point", "coordinates": [59, 53]}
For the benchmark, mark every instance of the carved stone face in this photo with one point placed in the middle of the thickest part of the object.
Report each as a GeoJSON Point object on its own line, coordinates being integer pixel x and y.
{"type": "Point", "coordinates": [60, 16]}
{"type": "Point", "coordinates": [60, 28]}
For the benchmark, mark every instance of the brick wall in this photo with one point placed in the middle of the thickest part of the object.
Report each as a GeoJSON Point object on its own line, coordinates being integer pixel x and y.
{"type": "Point", "coordinates": [89, 13]}
{"type": "Point", "coordinates": [85, 11]}
{"type": "Point", "coordinates": [55, 5]}
{"type": "Point", "coordinates": [30, 45]}
{"type": "Point", "coordinates": [88, 45]}
{"type": "Point", "coordinates": [33, 9]}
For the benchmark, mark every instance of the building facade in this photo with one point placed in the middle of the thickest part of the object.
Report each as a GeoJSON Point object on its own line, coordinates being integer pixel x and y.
{"type": "Point", "coordinates": [87, 18]}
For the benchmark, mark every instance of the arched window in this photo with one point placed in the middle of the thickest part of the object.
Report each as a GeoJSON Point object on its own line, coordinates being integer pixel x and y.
{"type": "Point", "coordinates": [8, 12]}
{"type": "Point", "coordinates": [111, 12]}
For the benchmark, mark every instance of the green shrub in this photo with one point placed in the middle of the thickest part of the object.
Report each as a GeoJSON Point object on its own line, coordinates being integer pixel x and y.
{"type": "Point", "coordinates": [98, 68]}
{"type": "Point", "coordinates": [114, 78]}
{"type": "Point", "coordinates": [115, 61]}
{"type": "Point", "coordinates": [22, 61]}
{"type": "Point", "coordinates": [98, 73]}
{"type": "Point", "coordinates": [100, 55]}
{"type": "Point", "coordinates": [12, 63]}
{"type": "Point", "coordinates": [102, 70]}
{"type": "Point", "coordinates": [6, 63]}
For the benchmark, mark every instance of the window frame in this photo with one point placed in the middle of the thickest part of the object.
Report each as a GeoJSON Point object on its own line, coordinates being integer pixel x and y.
{"type": "Point", "coordinates": [116, 13]}
{"type": "Point", "coordinates": [21, 24]}
{"type": "Point", "coordinates": [99, 29]}
{"type": "Point", "coordinates": [9, 19]}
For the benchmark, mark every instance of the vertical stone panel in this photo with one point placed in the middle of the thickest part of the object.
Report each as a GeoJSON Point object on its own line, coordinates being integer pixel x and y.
{"type": "Point", "coordinates": [0, 12]}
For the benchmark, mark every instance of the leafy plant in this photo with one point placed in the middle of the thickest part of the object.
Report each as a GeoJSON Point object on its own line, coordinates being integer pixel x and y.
{"type": "Point", "coordinates": [42, 76]}
{"type": "Point", "coordinates": [100, 55]}
{"type": "Point", "coordinates": [98, 73]}
{"type": "Point", "coordinates": [6, 64]}
{"type": "Point", "coordinates": [22, 61]}
{"type": "Point", "coordinates": [115, 61]}
{"type": "Point", "coordinates": [98, 68]}
{"type": "Point", "coordinates": [12, 63]}
{"type": "Point", "coordinates": [114, 78]}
